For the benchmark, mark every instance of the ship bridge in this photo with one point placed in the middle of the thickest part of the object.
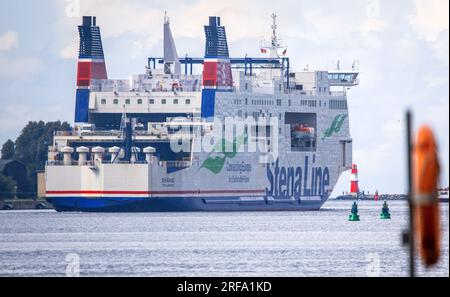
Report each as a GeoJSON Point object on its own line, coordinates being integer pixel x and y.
{"type": "Point", "coordinates": [339, 78]}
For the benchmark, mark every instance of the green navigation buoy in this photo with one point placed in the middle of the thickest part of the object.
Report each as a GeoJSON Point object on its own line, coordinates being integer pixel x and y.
{"type": "Point", "coordinates": [385, 214]}
{"type": "Point", "coordinates": [354, 217]}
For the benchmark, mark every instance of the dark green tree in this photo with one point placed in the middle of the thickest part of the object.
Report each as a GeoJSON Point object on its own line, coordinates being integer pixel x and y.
{"type": "Point", "coordinates": [32, 147]}
{"type": "Point", "coordinates": [8, 150]}
{"type": "Point", "coordinates": [7, 187]}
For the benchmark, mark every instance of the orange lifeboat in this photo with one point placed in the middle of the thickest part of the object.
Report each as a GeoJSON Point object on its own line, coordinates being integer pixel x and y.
{"type": "Point", "coordinates": [303, 131]}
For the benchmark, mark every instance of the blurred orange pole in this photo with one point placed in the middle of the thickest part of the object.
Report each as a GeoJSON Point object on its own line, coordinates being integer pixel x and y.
{"type": "Point", "coordinates": [425, 197]}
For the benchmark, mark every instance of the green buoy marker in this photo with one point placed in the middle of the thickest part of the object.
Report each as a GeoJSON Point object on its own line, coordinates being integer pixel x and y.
{"type": "Point", "coordinates": [354, 217]}
{"type": "Point", "coordinates": [385, 214]}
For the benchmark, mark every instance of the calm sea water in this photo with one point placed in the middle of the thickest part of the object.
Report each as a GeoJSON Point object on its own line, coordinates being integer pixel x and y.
{"type": "Point", "coordinates": [320, 243]}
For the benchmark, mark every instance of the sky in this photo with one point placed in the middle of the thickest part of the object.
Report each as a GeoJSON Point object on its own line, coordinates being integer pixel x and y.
{"type": "Point", "coordinates": [402, 47]}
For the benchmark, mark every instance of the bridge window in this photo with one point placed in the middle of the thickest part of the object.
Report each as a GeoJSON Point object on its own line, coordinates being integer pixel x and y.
{"type": "Point", "coordinates": [175, 101]}
{"type": "Point", "coordinates": [188, 101]}
{"type": "Point", "coordinates": [139, 101]}
{"type": "Point", "coordinates": [116, 101]}
{"type": "Point", "coordinates": [151, 101]}
{"type": "Point", "coordinates": [163, 101]}
{"type": "Point", "coordinates": [127, 101]}
{"type": "Point", "coordinates": [103, 101]}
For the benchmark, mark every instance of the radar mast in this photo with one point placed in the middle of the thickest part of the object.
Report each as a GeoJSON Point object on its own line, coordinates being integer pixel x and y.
{"type": "Point", "coordinates": [275, 45]}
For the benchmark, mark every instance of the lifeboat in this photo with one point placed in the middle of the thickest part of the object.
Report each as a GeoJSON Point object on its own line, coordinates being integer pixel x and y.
{"type": "Point", "coordinates": [302, 131]}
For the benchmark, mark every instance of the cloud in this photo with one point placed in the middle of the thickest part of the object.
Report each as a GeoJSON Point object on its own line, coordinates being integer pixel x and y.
{"type": "Point", "coordinates": [372, 25]}
{"type": "Point", "coordinates": [9, 41]}
{"type": "Point", "coordinates": [70, 51]}
{"type": "Point", "coordinates": [19, 68]}
{"type": "Point", "coordinates": [430, 19]}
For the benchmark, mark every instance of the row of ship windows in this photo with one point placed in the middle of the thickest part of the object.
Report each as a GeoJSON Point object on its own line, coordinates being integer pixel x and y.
{"type": "Point", "coordinates": [254, 102]}
{"type": "Point", "coordinates": [257, 114]}
{"type": "Point", "coordinates": [310, 103]}
{"type": "Point", "coordinates": [333, 104]}
{"type": "Point", "coordinates": [150, 101]}
{"type": "Point", "coordinates": [338, 104]}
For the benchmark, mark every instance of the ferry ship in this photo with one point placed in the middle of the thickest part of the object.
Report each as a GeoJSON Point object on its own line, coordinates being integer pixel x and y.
{"type": "Point", "coordinates": [243, 134]}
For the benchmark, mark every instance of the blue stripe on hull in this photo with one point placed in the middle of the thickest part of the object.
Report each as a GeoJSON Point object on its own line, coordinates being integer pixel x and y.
{"type": "Point", "coordinates": [177, 204]}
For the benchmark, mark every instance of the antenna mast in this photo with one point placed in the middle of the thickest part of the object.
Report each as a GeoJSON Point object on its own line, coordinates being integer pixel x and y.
{"type": "Point", "coordinates": [275, 41]}
{"type": "Point", "coordinates": [274, 30]}
{"type": "Point", "coordinates": [166, 18]}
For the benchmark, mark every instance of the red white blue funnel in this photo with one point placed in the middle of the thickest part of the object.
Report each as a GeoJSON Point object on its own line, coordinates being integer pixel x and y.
{"type": "Point", "coordinates": [91, 65]}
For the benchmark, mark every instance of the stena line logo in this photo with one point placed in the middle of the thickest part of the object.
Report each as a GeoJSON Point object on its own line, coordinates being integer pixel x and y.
{"type": "Point", "coordinates": [287, 182]}
{"type": "Point", "coordinates": [217, 163]}
{"type": "Point", "coordinates": [336, 126]}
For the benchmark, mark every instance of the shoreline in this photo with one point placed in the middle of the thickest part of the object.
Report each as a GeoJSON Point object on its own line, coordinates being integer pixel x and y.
{"type": "Point", "coordinates": [25, 204]}
{"type": "Point", "coordinates": [41, 204]}
{"type": "Point", "coordinates": [394, 197]}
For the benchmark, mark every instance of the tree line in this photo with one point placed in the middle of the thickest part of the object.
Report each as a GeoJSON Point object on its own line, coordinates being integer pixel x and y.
{"type": "Point", "coordinates": [30, 148]}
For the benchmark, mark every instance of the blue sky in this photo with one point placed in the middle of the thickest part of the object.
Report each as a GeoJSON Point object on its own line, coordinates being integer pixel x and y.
{"type": "Point", "coordinates": [402, 47]}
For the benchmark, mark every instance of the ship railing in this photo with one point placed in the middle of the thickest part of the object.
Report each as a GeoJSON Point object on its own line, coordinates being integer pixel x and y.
{"type": "Point", "coordinates": [91, 163]}
{"type": "Point", "coordinates": [89, 133]}
{"type": "Point", "coordinates": [99, 133]}
{"type": "Point", "coordinates": [66, 133]}
{"type": "Point", "coordinates": [73, 163]}
{"type": "Point", "coordinates": [177, 164]}
{"type": "Point", "coordinates": [338, 93]}
{"type": "Point", "coordinates": [315, 93]}
{"type": "Point", "coordinates": [184, 88]}
{"type": "Point", "coordinates": [61, 163]}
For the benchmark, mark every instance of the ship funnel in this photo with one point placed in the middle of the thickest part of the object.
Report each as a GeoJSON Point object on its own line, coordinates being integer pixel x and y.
{"type": "Point", "coordinates": [91, 65]}
{"type": "Point", "coordinates": [216, 68]}
{"type": "Point", "coordinates": [91, 60]}
{"type": "Point", "coordinates": [170, 51]}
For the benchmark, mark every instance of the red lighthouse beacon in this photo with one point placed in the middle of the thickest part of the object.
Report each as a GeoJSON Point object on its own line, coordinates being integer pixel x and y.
{"type": "Point", "coordinates": [354, 188]}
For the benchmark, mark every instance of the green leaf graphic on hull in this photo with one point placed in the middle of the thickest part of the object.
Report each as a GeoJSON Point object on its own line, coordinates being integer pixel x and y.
{"type": "Point", "coordinates": [335, 127]}
{"type": "Point", "coordinates": [216, 164]}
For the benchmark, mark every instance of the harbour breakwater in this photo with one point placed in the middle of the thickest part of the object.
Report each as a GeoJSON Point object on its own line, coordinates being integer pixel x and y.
{"type": "Point", "coordinates": [388, 197]}
{"type": "Point", "coordinates": [24, 204]}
